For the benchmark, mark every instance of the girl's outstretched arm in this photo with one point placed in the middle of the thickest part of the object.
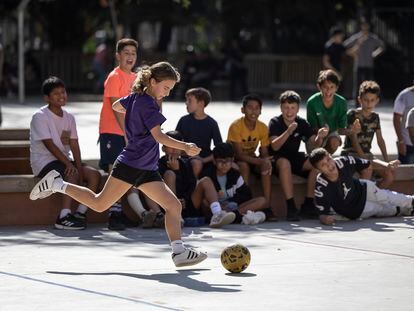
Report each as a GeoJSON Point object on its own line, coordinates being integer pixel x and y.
{"type": "Point", "coordinates": [189, 148]}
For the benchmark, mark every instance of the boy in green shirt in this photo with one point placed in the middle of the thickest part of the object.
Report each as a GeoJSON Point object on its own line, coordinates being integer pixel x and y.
{"type": "Point", "coordinates": [328, 109]}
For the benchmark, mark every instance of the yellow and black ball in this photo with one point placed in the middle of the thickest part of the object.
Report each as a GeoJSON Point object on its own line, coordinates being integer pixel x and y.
{"type": "Point", "coordinates": [235, 258]}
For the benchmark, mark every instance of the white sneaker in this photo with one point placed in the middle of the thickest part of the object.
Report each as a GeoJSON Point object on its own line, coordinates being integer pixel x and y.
{"type": "Point", "coordinates": [253, 218]}
{"type": "Point", "coordinates": [44, 188]}
{"type": "Point", "coordinates": [221, 219]}
{"type": "Point", "coordinates": [188, 258]}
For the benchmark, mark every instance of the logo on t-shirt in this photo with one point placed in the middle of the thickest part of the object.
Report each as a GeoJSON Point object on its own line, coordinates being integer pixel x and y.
{"type": "Point", "coordinates": [346, 190]}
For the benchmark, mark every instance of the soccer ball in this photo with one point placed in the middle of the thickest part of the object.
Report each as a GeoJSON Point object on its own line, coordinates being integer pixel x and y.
{"type": "Point", "coordinates": [235, 258]}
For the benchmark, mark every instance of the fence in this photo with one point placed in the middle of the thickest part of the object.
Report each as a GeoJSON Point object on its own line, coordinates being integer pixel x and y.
{"type": "Point", "coordinates": [269, 73]}
{"type": "Point", "coordinates": [266, 72]}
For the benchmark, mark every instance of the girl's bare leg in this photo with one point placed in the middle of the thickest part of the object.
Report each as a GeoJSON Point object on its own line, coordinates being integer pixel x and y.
{"type": "Point", "coordinates": [159, 192]}
{"type": "Point", "coordinates": [113, 189]}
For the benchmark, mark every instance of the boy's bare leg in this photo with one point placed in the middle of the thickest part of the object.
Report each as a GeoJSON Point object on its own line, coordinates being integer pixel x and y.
{"type": "Point", "coordinates": [267, 187]}
{"type": "Point", "coordinates": [244, 171]}
{"type": "Point", "coordinates": [163, 196]}
{"type": "Point", "coordinates": [197, 166]}
{"type": "Point", "coordinates": [204, 190]}
{"type": "Point", "coordinates": [92, 177]}
{"type": "Point", "coordinates": [285, 177]}
{"type": "Point", "coordinates": [308, 208]}
{"type": "Point", "coordinates": [311, 182]}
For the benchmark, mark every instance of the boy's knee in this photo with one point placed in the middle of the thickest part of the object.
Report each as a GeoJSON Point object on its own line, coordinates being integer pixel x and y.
{"type": "Point", "coordinates": [206, 181]}
{"type": "Point", "coordinates": [244, 166]}
{"type": "Point", "coordinates": [283, 164]}
{"type": "Point", "coordinates": [169, 175]}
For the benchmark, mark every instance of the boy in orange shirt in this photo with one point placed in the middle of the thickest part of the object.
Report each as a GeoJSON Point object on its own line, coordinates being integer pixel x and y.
{"type": "Point", "coordinates": [111, 137]}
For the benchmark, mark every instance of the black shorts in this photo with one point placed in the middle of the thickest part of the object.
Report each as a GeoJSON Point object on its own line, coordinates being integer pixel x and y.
{"type": "Point", "coordinates": [296, 163]}
{"type": "Point", "coordinates": [134, 176]}
{"type": "Point", "coordinates": [54, 165]}
{"type": "Point", "coordinates": [110, 146]}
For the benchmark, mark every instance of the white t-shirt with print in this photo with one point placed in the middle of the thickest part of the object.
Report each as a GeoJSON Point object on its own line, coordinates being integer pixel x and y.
{"type": "Point", "coordinates": [402, 105]}
{"type": "Point", "coordinates": [47, 125]}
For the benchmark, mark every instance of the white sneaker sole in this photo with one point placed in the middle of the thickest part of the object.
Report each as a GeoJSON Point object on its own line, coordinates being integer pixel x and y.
{"type": "Point", "coordinates": [37, 193]}
{"type": "Point", "coordinates": [191, 262]}
{"type": "Point", "coordinates": [226, 220]}
{"type": "Point", "coordinates": [62, 227]}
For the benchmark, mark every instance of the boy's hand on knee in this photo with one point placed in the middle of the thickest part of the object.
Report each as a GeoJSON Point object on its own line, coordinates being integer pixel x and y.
{"type": "Point", "coordinates": [266, 166]}
{"type": "Point", "coordinates": [71, 170]}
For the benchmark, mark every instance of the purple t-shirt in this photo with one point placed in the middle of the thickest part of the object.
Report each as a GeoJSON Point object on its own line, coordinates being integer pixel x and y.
{"type": "Point", "coordinates": [142, 115]}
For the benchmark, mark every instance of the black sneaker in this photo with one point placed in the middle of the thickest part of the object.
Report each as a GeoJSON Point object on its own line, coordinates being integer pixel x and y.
{"type": "Point", "coordinates": [159, 221]}
{"type": "Point", "coordinates": [115, 221]}
{"type": "Point", "coordinates": [129, 223]}
{"type": "Point", "coordinates": [69, 222]}
{"type": "Point", "coordinates": [81, 217]}
{"type": "Point", "coordinates": [148, 218]}
{"type": "Point", "coordinates": [292, 214]}
{"type": "Point", "coordinates": [309, 211]}
{"type": "Point", "coordinates": [269, 215]}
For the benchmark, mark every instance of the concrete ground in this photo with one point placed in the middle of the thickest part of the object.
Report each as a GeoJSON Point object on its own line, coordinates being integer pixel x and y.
{"type": "Point", "coordinates": [360, 265]}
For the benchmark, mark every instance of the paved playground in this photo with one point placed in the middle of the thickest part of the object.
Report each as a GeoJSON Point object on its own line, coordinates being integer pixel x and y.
{"type": "Point", "coordinates": [365, 265]}
{"type": "Point", "coordinates": [360, 265]}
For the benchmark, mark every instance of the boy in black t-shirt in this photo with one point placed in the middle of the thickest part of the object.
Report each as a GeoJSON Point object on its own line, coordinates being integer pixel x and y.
{"type": "Point", "coordinates": [286, 133]}
{"type": "Point", "coordinates": [350, 197]}
{"type": "Point", "coordinates": [199, 128]}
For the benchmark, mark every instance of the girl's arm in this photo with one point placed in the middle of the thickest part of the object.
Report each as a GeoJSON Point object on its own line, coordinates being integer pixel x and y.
{"type": "Point", "coordinates": [117, 106]}
{"type": "Point", "coordinates": [119, 112]}
{"type": "Point", "coordinates": [189, 148]}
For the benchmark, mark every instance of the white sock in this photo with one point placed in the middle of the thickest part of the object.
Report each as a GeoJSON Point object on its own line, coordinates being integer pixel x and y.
{"type": "Point", "coordinates": [177, 247]}
{"type": "Point", "coordinates": [215, 207]}
{"type": "Point", "coordinates": [82, 209]}
{"type": "Point", "coordinates": [64, 212]}
{"type": "Point", "coordinates": [135, 202]}
{"type": "Point", "coordinates": [59, 185]}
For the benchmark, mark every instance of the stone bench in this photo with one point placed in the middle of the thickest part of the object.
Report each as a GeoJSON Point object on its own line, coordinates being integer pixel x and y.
{"type": "Point", "coordinates": [17, 209]}
{"type": "Point", "coordinates": [15, 134]}
{"type": "Point", "coordinates": [14, 148]}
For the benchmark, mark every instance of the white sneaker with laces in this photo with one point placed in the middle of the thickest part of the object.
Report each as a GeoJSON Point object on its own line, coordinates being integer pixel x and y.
{"type": "Point", "coordinates": [221, 219]}
{"type": "Point", "coordinates": [44, 187]}
{"type": "Point", "coordinates": [188, 258]}
{"type": "Point", "coordinates": [253, 218]}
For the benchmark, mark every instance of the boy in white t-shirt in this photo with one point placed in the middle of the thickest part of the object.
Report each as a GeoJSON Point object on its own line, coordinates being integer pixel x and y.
{"type": "Point", "coordinates": [54, 146]}
{"type": "Point", "coordinates": [402, 105]}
